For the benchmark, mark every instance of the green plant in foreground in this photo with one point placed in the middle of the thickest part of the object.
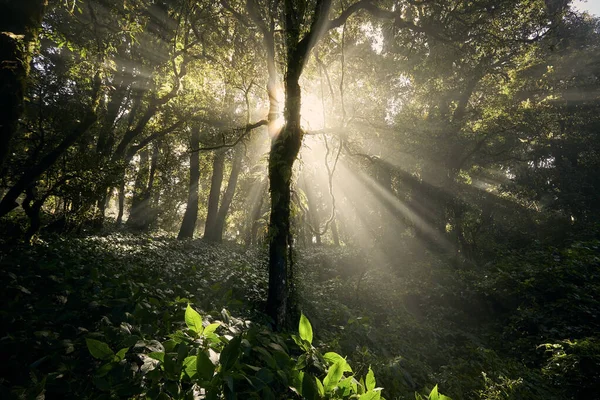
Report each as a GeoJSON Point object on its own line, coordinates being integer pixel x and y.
{"type": "Point", "coordinates": [251, 364]}
{"type": "Point", "coordinates": [434, 395]}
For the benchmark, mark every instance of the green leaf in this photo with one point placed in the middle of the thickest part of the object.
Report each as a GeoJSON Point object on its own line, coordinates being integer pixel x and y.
{"type": "Point", "coordinates": [157, 356]}
{"type": "Point", "coordinates": [230, 353]}
{"type": "Point", "coordinates": [305, 329]}
{"type": "Point", "coordinates": [345, 386]}
{"type": "Point", "coordinates": [298, 379]}
{"type": "Point", "coordinates": [320, 387]}
{"type": "Point", "coordinates": [370, 396]}
{"type": "Point", "coordinates": [193, 320]}
{"type": "Point", "coordinates": [121, 354]}
{"type": "Point", "coordinates": [189, 366]}
{"type": "Point", "coordinates": [309, 388]}
{"type": "Point", "coordinates": [370, 380]}
{"type": "Point", "coordinates": [205, 367]}
{"type": "Point", "coordinates": [105, 369]}
{"type": "Point", "coordinates": [210, 329]}
{"type": "Point", "coordinates": [435, 394]}
{"type": "Point", "coordinates": [98, 349]}
{"type": "Point", "coordinates": [332, 358]}
{"type": "Point", "coordinates": [334, 375]}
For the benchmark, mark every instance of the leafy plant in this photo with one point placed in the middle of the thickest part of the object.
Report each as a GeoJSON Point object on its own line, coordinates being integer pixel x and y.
{"type": "Point", "coordinates": [204, 358]}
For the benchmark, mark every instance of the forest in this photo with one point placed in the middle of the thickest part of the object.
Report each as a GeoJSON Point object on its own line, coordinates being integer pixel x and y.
{"type": "Point", "coordinates": [300, 199]}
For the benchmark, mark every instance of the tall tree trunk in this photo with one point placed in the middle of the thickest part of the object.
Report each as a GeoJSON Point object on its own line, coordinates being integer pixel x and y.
{"type": "Point", "coordinates": [284, 150]}
{"type": "Point", "coordinates": [188, 225]}
{"type": "Point", "coordinates": [101, 205]}
{"type": "Point", "coordinates": [139, 209]}
{"type": "Point", "coordinates": [121, 201]}
{"type": "Point", "coordinates": [214, 195]}
{"type": "Point", "coordinates": [20, 23]}
{"type": "Point", "coordinates": [236, 166]}
{"type": "Point", "coordinates": [334, 233]}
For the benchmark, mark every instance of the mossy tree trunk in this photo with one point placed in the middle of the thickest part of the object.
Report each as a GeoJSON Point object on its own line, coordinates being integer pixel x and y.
{"type": "Point", "coordinates": [285, 147]}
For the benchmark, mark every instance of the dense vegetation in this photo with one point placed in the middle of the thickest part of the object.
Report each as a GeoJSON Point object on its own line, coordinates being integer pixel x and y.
{"type": "Point", "coordinates": [299, 199]}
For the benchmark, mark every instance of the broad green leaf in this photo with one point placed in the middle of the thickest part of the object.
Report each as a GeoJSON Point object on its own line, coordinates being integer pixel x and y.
{"type": "Point", "coordinates": [334, 375]}
{"type": "Point", "coordinates": [189, 366]}
{"type": "Point", "coordinates": [332, 358]}
{"type": "Point", "coordinates": [305, 329]}
{"type": "Point", "coordinates": [434, 395]}
{"type": "Point", "coordinates": [298, 379]}
{"type": "Point", "coordinates": [193, 320]}
{"type": "Point", "coordinates": [370, 396]}
{"type": "Point", "coordinates": [361, 386]}
{"type": "Point", "coordinates": [98, 349]}
{"type": "Point", "coordinates": [320, 387]}
{"type": "Point", "coordinates": [157, 356]}
{"type": "Point", "coordinates": [345, 385]}
{"type": "Point", "coordinates": [309, 388]}
{"type": "Point", "coordinates": [105, 369]}
{"type": "Point", "coordinates": [205, 367]}
{"type": "Point", "coordinates": [230, 353]}
{"type": "Point", "coordinates": [370, 380]}
{"type": "Point", "coordinates": [210, 329]}
{"type": "Point", "coordinates": [121, 354]}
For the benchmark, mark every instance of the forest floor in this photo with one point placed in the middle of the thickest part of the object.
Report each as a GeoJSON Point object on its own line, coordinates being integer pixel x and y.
{"type": "Point", "coordinates": [523, 327]}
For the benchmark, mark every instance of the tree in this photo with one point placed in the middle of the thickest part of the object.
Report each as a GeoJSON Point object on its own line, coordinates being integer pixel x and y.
{"type": "Point", "coordinates": [19, 26]}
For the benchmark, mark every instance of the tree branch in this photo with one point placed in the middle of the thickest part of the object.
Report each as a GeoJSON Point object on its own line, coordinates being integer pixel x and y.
{"type": "Point", "coordinates": [247, 129]}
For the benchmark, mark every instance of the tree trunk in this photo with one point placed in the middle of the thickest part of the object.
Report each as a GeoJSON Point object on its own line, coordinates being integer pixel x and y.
{"type": "Point", "coordinates": [20, 23]}
{"type": "Point", "coordinates": [121, 202]}
{"type": "Point", "coordinates": [334, 233]}
{"type": "Point", "coordinates": [236, 166]}
{"type": "Point", "coordinates": [188, 225]}
{"type": "Point", "coordinates": [139, 204]}
{"type": "Point", "coordinates": [284, 150]}
{"type": "Point", "coordinates": [32, 210]}
{"type": "Point", "coordinates": [101, 205]}
{"type": "Point", "coordinates": [254, 216]}
{"type": "Point", "coordinates": [214, 195]}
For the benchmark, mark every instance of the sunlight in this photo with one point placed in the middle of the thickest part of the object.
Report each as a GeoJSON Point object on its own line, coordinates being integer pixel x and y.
{"type": "Point", "coordinates": [312, 113]}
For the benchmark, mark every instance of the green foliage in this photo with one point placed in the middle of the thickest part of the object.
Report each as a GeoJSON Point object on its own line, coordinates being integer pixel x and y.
{"type": "Point", "coordinates": [117, 307]}
{"type": "Point", "coordinates": [254, 364]}
{"type": "Point", "coordinates": [433, 395]}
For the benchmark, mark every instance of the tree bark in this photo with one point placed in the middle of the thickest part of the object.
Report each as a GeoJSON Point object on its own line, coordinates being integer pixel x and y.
{"type": "Point", "coordinates": [214, 195]}
{"type": "Point", "coordinates": [188, 225]}
{"type": "Point", "coordinates": [334, 233]}
{"type": "Point", "coordinates": [284, 150]}
{"type": "Point", "coordinates": [236, 166]}
{"type": "Point", "coordinates": [121, 201]}
{"type": "Point", "coordinates": [254, 215]}
{"type": "Point", "coordinates": [20, 23]}
{"type": "Point", "coordinates": [139, 205]}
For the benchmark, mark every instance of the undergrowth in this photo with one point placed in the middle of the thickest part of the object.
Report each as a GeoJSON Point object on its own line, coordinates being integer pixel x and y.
{"type": "Point", "coordinates": [523, 327]}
